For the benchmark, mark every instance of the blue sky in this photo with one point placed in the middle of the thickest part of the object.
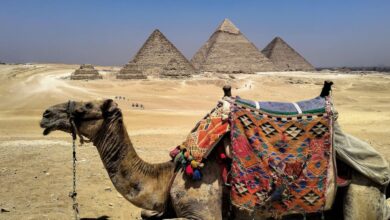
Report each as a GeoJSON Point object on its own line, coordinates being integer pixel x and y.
{"type": "Point", "coordinates": [327, 33]}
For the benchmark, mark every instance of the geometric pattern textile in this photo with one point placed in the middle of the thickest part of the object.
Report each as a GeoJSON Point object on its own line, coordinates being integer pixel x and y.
{"type": "Point", "coordinates": [207, 133]}
{"type": "Point", "coordinates": [282, 164]}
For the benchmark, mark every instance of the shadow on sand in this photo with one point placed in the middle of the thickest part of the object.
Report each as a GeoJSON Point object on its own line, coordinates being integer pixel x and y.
{"type": "Point", "coordinates": [103, 217]}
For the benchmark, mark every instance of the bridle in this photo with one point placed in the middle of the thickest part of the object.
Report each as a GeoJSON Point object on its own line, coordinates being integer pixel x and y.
{"type": "Point", "coordinates": [70, 110]}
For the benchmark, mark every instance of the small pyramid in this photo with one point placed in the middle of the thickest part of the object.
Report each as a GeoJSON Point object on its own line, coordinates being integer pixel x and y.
{"type": "Point", "coordinates": [177, 70]}
{"type": "Point", "coordinates": [85, 72]}
{"type": "Point", "coordinates": [155, 54]}
{"type": "Point", "coordinates": [284, 57]}
{"type": "Point", "coordinates": [229, 51]}
{"type": "Point", "coordinates": [130, 71]}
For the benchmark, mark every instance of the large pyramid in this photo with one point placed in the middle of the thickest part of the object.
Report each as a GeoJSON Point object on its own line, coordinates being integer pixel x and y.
{"type": "Point", "coordinates": [86, 72]}
{"type": "Point", "coordinates": [284, 57]}
{"type": "Point", "coordinates": [229, 51]}
{"type": "Point", "coordinates": [155, 54]}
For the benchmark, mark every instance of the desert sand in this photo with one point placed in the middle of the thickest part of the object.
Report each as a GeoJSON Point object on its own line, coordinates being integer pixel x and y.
{"type": "Point", "coordinates": [35, 170]}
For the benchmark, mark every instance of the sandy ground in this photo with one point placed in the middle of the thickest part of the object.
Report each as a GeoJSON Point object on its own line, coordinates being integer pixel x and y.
{"type": "Point", "coordinates": [35, 171]}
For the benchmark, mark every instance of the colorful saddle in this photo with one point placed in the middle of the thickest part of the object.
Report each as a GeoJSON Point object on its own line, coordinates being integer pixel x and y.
{"type": "Point", "coordinates": [282, 153]}
{"type": "Point", "coordinates": [316, 105]}
{"type": "Point", "coordinates": [283, 156]}
{"type": "Point", "coordinates": [202, 140]}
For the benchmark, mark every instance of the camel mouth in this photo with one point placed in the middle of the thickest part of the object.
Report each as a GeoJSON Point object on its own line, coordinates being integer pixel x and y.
{"type": "Point", "coordinates": [46, 127]}
{"type": "Point", "coordinates": [53, 126]}
{"type": "Point", "coordinates": [46, 131]}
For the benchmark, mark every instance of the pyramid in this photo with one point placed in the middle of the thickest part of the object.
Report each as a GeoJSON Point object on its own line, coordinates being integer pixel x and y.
{"type": "Point", "coordinates": [177, 70]}
{"type": "Point", "coordinates": [130, 71]}
{"type": "Point", "coordinates": [284, 57]}
{"type": "Point", "coordinates": [155, 54]}
{"type": "Point", "coordinates": [229, 51]}
{"type": "Point", "coordinates": [86, 71]}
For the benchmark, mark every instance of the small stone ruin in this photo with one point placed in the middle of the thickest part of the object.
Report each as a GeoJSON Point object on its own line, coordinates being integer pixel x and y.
{"type": "Point", "coordinates": [130, 71]}
{"type": "Point", "coordinates": [177, 70]}
{"type": "Point", "coordinates": [86, 72]}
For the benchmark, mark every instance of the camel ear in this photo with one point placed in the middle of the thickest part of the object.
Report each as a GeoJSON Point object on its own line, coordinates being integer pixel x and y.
{"type": "Point", "coordinates": [109, 107]}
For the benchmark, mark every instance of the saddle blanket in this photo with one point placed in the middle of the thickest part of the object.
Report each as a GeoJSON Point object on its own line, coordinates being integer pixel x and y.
{"type": "Point", "coordinates": [202, 140]}
{"type": "Point", "coordinates": [283, 156]}
{"type": "Point", "coordinates": [282, 153]}
{"type": "Point", "coordinates": [207, 133]}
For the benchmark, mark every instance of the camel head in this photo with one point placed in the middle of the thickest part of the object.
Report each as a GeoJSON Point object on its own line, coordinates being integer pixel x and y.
{"type": "Point", "coordinates": [87, 117]}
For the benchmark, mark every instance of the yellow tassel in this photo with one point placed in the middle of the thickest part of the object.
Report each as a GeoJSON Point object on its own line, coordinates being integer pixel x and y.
{"type": "Point", "coordinates": [194, 163]}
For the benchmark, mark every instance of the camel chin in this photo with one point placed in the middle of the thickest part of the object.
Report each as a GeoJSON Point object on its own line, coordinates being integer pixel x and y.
{"type": "Point", "coordinates": [47, 131]}
{"type": "Point", "coordinates": [50, 127]}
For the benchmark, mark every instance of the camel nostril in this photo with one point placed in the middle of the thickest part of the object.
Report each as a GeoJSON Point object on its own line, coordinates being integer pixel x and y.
{"type": "Point", "coordinates": [46, 114]}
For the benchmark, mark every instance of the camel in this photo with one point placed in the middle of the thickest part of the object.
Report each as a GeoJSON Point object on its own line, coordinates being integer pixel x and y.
{"type": "Point", "coordinates": [159, 189]}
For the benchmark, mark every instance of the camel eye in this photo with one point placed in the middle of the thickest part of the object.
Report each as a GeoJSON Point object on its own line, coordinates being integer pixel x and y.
{"type": "Point", "coordinates": [88, 105]}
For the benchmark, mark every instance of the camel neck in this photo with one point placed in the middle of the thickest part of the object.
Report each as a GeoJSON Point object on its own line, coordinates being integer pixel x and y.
{"type": "Point", "coordinates": [134, 178]}
{"type": "Point", "coordinates": [113, 144]}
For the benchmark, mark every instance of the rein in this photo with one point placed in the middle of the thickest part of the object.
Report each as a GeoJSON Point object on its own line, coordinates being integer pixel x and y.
{"type": "Point", "coordinates": [70, 110]}
{"type": "Point", "coordinates": [74, 131]}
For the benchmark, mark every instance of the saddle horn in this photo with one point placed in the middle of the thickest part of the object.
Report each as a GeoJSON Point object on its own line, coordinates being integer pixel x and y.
{"type": "Point", "coordinates": [326, 88]}
{"type": "Point", "coordinates": [227, 91]}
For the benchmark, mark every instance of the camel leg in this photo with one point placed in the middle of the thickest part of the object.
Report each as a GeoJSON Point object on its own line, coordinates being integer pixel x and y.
{"type": "Point", "coordinates": [198, 199]}
{"type": "Point", "coordinates": [364, 201]}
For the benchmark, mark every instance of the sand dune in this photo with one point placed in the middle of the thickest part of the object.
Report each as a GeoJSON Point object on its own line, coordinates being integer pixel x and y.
{"type": "Point", "coordinates": [35, 171]}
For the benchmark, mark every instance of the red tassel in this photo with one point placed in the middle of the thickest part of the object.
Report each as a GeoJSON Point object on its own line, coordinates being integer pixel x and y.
{"type": "Point", "coordinates": [222, 156]}
{"type": "Point", "coordinates": [189, 170]}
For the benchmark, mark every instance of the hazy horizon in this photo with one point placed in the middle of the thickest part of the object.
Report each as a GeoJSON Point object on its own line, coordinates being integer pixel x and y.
{"type": "Point", "coordinates": [331, 33]}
